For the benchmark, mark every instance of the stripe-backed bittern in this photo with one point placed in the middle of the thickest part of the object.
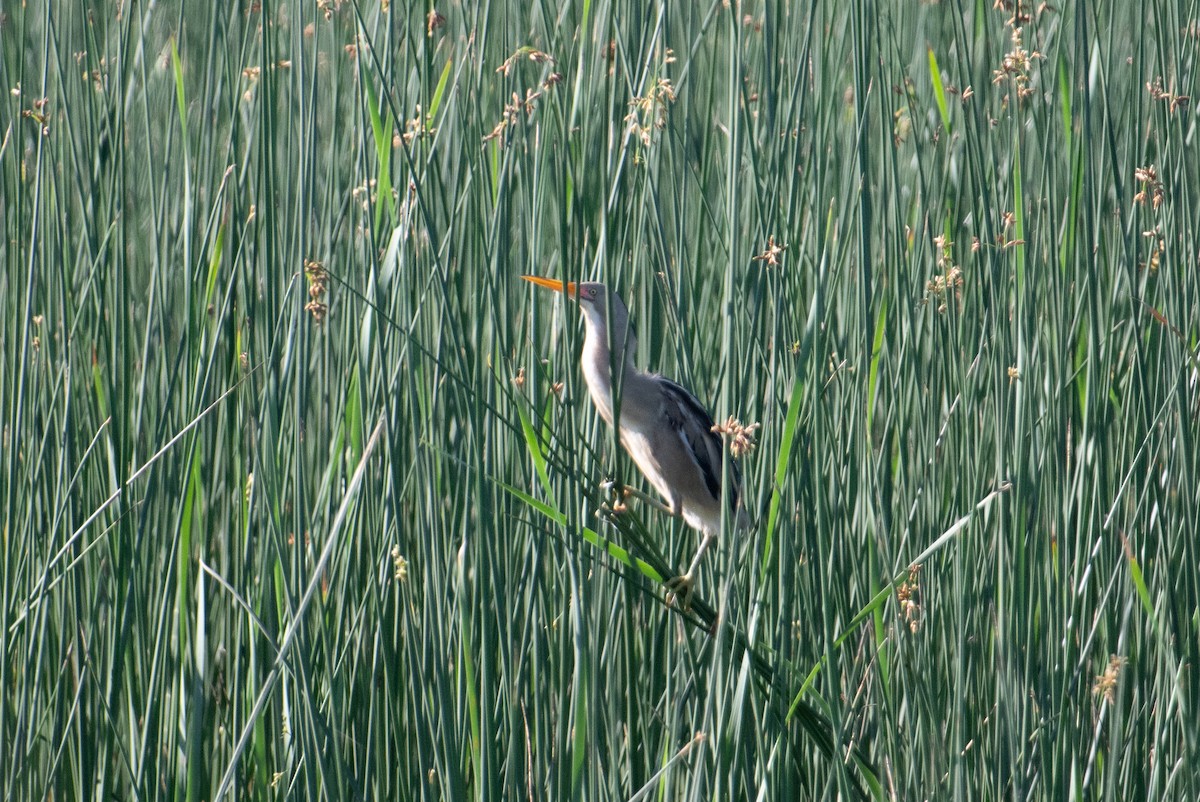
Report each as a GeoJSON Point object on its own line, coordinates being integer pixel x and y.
{"type": "Point", "coordinates": [664, 429]}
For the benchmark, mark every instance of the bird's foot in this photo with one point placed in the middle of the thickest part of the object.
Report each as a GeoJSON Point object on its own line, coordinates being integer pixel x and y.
{"type": "Point", "coordinates": [616, 491]}
{"type": "Point", "coordinates": [615, 504]}
{"type": "Point", "coordinates": [680, 589]}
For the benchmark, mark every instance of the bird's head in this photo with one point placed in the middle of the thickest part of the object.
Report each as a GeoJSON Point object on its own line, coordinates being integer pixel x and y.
{"type": "Point", "coordinates": [602, 309]}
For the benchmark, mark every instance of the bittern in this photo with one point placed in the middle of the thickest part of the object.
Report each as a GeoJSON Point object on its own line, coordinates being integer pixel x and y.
{"type": "Point", "coordinates": [664, 429]}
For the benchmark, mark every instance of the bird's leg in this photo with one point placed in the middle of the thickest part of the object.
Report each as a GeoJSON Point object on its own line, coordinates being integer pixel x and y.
{"type": "Point", "coordinates": [653, 502]}
{"type": "Point", "coordinates": [705, 542]}
{"type": "Point", "coordinates": [681, 586]}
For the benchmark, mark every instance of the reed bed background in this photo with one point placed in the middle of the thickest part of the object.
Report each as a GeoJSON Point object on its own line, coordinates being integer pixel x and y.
{"type": "Point", "coordinates": [300, 481]}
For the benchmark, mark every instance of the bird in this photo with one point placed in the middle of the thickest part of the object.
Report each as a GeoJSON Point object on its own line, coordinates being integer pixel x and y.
{"type": "Point", "coordinates": [665, 430]}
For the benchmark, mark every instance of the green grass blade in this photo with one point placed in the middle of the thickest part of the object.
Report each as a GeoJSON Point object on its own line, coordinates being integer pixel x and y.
{"type": "Point", "coordinates": [939, 89]}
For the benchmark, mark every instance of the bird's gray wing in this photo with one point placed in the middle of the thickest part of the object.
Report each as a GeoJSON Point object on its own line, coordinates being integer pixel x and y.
{"type": "Point", "coordinates": [694, 425]}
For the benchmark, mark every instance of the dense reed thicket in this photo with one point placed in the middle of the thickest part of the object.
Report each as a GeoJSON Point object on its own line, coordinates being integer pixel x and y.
{"type": "Point", "coordinates": [301, 484]}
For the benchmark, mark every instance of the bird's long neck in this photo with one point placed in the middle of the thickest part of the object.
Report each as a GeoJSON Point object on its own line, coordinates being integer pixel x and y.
{"type": "Point", "coordinates": [599, 364]}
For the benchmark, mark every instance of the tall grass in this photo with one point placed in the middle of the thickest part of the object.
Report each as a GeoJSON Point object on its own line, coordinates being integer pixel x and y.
{"type": "Point", "coordinates": [301, 485]}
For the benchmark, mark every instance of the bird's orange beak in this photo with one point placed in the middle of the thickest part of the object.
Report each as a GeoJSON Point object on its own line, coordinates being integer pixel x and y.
{"type": "Point", "coordinates": [551, 284]}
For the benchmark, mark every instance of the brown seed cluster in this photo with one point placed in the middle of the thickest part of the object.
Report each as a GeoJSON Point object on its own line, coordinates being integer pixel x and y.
{"type": "Point", "coordinates": [417, 127]}
{"type": "Point", "coordinates": [1007, 221]}
{"type": "Point", "coordinates": [329, 7]}
{"type": "Point", "coordinates": [522, 53]}
{"type": "Point", "coordinates": [741, 438]}
{"type": "Point", "coordinates": [520, 379]}
{"type": "Point", "coordinates": [1174, 102]}
{"type": "Point", "coordinates": [433, 20]}
{"type": "Point", "coordinates": [648, 113]}
{"type": "Point", "coordinates": [1152, 192]}
{"type": "Point", "coordinates": [1019, 11]}
{"type": "Point", "coordinates": [1106, 683]}
{"type": "Point", "coordinates": [518, 105]}
{"type": "Point", "coordinates": [97, 77]}
{"type": "Point", "coordinates": [1158, 247]}
{"type": "Point", "coordinates": [318, 286]}
{"type": "Point", "coordinates": [366, 193]}
{"type": "Point", "coordinates": [399, 565]}
{"type": "Point", "coordinates": [38, 320]}
{"type": "Point", "coordinates": [1151, 187]}
{"type": "Point", "coordinates": [948, 282]}
{"type": "Point", "coordinates": [772, 256]}
{"type": "Point", "coordinates": [39, 113]}
{"type": "Point", "coordinates": [1017, 64]}
{"type": "Point", "coordinates": [909, 595]}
